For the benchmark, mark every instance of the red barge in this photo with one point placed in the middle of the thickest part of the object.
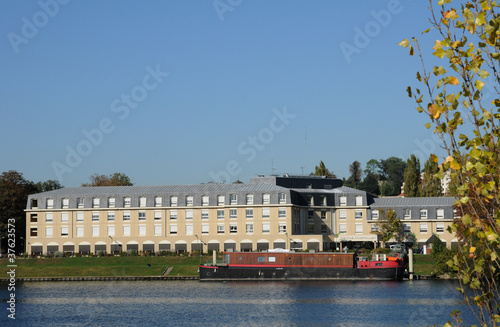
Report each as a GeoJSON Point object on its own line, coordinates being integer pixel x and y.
{"type": "Point", "coordinates": [302, 266]}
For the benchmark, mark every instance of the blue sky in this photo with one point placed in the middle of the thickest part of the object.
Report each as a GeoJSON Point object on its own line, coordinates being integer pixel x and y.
{"type": "Point", "coordinates": [185, 92]}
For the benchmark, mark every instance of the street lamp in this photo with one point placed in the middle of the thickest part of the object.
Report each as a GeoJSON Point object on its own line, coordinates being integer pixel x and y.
{"type": "Point", "coordinates": [202, 243]}
{"type": "Point", "coordinates": [24, 244]}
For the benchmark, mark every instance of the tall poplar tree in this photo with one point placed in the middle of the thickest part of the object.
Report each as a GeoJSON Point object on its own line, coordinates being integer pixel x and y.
{"type": "Point", "coordinates": [431, 184]}
{"type": "Point", "coordinates": [412, 177]}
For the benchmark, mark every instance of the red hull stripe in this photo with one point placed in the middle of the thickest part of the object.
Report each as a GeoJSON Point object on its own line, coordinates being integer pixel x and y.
{"type": "Point", "coordinates": [300, 266]}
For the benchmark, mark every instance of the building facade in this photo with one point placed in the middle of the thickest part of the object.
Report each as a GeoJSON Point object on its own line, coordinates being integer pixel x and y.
{"type": "Point", "coordinates": [269, 212]}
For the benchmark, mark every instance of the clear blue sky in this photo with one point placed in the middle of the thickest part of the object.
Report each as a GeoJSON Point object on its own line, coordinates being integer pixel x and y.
{"type": "Point", "coordinates": [185, 90]}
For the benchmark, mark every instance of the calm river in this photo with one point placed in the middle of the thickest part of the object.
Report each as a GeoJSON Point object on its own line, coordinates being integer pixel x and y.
{"type": "Point", "coordinates": [191, 303]}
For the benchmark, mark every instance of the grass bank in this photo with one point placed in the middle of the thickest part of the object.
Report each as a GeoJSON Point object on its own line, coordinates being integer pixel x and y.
{"type": "Point", "coordinates": [133, 266]}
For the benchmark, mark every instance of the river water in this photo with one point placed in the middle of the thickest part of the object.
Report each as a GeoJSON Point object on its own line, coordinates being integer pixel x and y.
{"type": "Point", "coordinates": [193, 303]}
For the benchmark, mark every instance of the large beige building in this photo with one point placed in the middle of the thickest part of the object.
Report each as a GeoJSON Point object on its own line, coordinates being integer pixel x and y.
{"type": "Point", "coordinates": [269, 212]}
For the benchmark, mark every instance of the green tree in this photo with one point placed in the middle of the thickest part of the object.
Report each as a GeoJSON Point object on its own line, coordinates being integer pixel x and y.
{"type": "Point", "coordinates": [14, 191]}
{"type": "Point", "coordinates": [356, 173]}
{"type": "Point", "coordinates": [431, 185]}
{"type": "Point", "coordinates": [116, 179]}
{"type": "Point", "coordinates": [370, 184]}
{"type": "Point", "coordinates": [373, 167]}
{"type": "Point", "coordinates": [392, 175]}
{"type": "Point", "coordinates": [462, 104]}
{"type": "Point", "coordinates": [390, 226]}
{"type": "Point", "coordinates": [48, 185]}
{"type": "Point", "coordinates": [321, 170]}
{"type": "Point", "coordinates": [412, 177]}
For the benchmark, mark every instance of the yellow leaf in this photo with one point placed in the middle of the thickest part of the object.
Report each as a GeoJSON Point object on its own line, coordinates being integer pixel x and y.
{"type": "Point", "coordinates": [434, 158]}
{"type": "Point", "coordinates": [453, 163]}
{"type": "Point", "coordinates": [453, 80]}
{"type": "Point", "coordinates": [437, 45]}
{"type": "Point", "coordinates": [472, 249]}
{"type": "Point", "coordinates": [479, 84]}
{"type": "Point", "coordinates": [404, 43]}
{"type": "Point", "coordinates": [434, 111]}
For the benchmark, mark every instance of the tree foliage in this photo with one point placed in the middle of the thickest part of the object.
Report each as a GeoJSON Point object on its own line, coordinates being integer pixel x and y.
{"type": "Point", "coordinates": [462, 104]}
{"type": "Point", "coordinates": [412, 177]}
{"type": "Point", "coordinates": [356, 173]}
{"type": "Point", "coordinates": [321, 170]}
{"type": "Point", "coordinates": [392, 175]}
{"type": "Point", "coordinates": [431, 185]}
{"type": "Point", "coordinates": [116, 179]}
{"type": "Point", "coordinates": [390, 226]}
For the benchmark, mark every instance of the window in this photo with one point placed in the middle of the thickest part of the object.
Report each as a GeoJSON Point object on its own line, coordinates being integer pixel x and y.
{"type": "Point", "coordinates": [173, 201]}
{"type": "Point", "coordinates": [375, 214]}
{"type": "Point", "coordinates": [79, 231]}
{"type": "Point", "coordinates": [142, 201]}
{"type": "Point", "coordinates": [265, 213]}
{"type": "Point", "coordinates": [249, 228]}
{"type": "Point", "coordinates": [282, 212]}
{"type": "Point", "coordinates": [79, 216]}
{"type": "Point", "coordinates": [261, 259]}
{"type": "Point", "coordinates": [173, 229]}
{"type": "Point", "coordinates": [233, 214]}
{"type": "Point", "coordinates": [310, 214]}
{"type": "Point", "coordinates": [343, 228]}
{"type": "Point", "coordinates": [48, 231]}
{"type": "Point", "coordinates": [359, 228]}
{"type": "Point", "coordinates": [95, 215]}
{"type": "Point", "coordinates": [127, 201]}
{"type": "Point", "coordinates": [64, 217]}
{"type": "Point", "coordinates": [249, 213]}
{"type": "Point", "coordinates": [126, 215]}
{"type": "Point", "coordinates": [65, 203]}
{"type": "Point", "coordinates": [282, 228]}
{"type": "Point", "coordinates": [205, 228]}
{"type": "Point", "coordinates": [189, 214]}
{"type": "Point", "coordinates": [343, 200]}
{"type": "Point", "coordinates": [233, 199]}
{"type": "Point", "coordinates": [157, 230]}
{"type": "Point", "coordinates": [189, 229]}
{"type": "Point", "coordinates": [407, 214]}
{"type": "Point", "coordinates": [266, 227]}
{"type": "Point", "coordinates": [95, 231]}
{"type": "Point", "coordinates": [342, 214]}
{"type": "Point", "coordinates": [142, 230]}
{"type": "Point", "coordinates": [34, 203]}
{"type": "Point", "coordinates": [322, 200]}
{"type": "Point", "coordinates": [323, 229]}
{"type": "Point", "coordinates": [142, 215]}
{"type": "Point", "coordinates": [158, 200]}
{"type": "Point", "coordinates": [310, 201]}
{"type": "Point", "coordinates": [359, 200]}
{"type": "Point", "coordinates": [111, 230]}
{"type": "Point", "coordinates": [220, 214]}
{"type": "Point", "coordinates": [204, 214]}
{"type": "Point", "coordinates": [358, 214]}
{"type": "Point", "coordinates": [79, 202]}
{"type": "Point", "coordinates": [95, 202]}
{"type": "Point", "coordinates": [233, 228]}
{"type": "Point", "coordinates": [439, 227]}
{"type": "Point", "coordinates": [220, 229]}
{"type": "Point", "coordinates": [374, 228]}
{"type": "Point", "coordinates": [34, 217]}
{"type": "Point", "coordinates": [249, 198]}
{"type": "Point", "coordinates": [407, 228]}
{"type": "Point", "coordinates": [49, 217]}
{"type": "Point", "coordinates": [221, 199]}
{"type": "Point", "coordinates": [423, 214]}
{"type": "Point", "coordinates": [111, 216]}
{"type": "Point", "coordinates": [189, 200]}
{"type": "Point", "coordinates": [173, 214]}
{"type": "Point", "coordinates": [282, 198]}
{"type": "Point", "coordinates": [157, 215]}
{"type": "Point", "coordinates": [423, 227]}
{"type": "Point", "coordinates": [50, 203]}
{"type": "Point", "coordinates": [111, 202]}
{"type": "Point", "coordinates": [266, 198]}
{"type": "Point", "coordinates": [323, 214]}
{"type": "Point", "coordinates": [64, 231]}
{"type": "Point", "coordinates": [440, 213]}
{"type": "Point", "coordinates": [310, 228]}
{"type": "Point", "coordinates": [126, 230]}
{"type": "Point", "coordinates": [205, 200]}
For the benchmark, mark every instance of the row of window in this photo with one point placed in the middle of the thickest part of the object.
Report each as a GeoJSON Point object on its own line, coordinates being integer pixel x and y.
{"type": "Point", "coordinates": [423, 228]}
{"type": "Point", "coordinates": [173, 201]}
{"type": "Point", "coordinates": [173, 214]}
{"type": "Point", "coordinates": [221, 229]}
{"type": "Point", "coordinates": [342, 200]}
{"type": "Point", "coordinates": [423, 214]}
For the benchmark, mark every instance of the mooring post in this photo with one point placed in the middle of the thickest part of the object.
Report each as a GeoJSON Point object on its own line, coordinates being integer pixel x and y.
{"type": "Point", "coordinates": [410, 263]}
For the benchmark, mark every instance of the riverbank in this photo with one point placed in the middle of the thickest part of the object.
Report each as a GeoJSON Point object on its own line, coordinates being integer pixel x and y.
{"type": "Point", "coordinates": [168, 267]}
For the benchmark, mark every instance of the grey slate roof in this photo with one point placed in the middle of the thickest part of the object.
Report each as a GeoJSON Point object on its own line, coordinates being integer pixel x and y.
{"type": "Point", "coordinates": [411, 202]}
{"type": "Point", "coordinates": [161, 189]}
